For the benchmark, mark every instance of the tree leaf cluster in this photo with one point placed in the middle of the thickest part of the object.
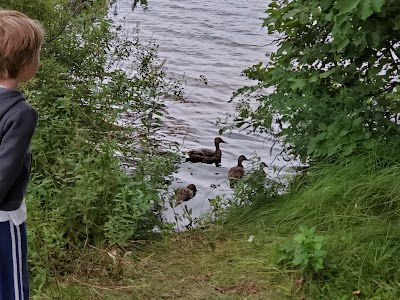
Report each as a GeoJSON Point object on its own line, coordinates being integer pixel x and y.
{"type": "Point", "coordinates": [332, 86]}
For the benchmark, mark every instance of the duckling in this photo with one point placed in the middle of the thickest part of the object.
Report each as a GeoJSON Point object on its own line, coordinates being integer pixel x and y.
{"type": "Point", "coordinates": [258, 176]}
{"type": "Point", "coordinates": [238, 171]}
{"type": "Point", "coordinates": [185, 194]}
{"type": "Point", "coordinates": [207, 155]}
{"type": "Point", "coordinates": [261, 169]}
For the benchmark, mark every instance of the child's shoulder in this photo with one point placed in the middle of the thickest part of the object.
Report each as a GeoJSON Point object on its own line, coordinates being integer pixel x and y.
{"type": "Point", "coordinates": [13, 105]}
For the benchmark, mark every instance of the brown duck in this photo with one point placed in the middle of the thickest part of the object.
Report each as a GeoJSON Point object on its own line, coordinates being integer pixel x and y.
{"type": "Point", "coordinates": [238, 171]}
{"type": "Point", "coordinates": [185, 194]}
{"type": "Point", "coordinates": [207, 155]}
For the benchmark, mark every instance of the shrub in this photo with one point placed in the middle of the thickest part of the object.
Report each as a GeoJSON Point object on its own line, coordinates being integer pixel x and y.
{"type": "Point", "coordinates": [94, 119]}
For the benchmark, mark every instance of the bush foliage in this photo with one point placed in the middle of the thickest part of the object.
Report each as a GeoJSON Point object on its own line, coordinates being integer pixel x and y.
{"type": "Point", "coordinates": [333, 84]}
{"type": "Point", "coordinates": [94, 117]}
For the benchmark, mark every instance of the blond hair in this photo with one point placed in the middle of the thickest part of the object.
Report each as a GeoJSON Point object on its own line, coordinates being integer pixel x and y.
{"type": "Point", "coordinates": [20, 40]}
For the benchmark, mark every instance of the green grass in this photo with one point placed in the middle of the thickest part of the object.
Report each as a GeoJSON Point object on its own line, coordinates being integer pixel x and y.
{"type": "Point", "coordinates": [355, 204]}
{"type": "Point", "coordinates": [184, 266]}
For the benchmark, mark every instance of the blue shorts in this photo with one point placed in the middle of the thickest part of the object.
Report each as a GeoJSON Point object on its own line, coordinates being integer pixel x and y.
{"type": "Point", "coordinates": [13, 262]}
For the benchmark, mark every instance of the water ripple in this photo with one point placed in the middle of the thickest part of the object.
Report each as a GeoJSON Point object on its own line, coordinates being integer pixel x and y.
{"type": "Point", "coordinates": [217, 39]}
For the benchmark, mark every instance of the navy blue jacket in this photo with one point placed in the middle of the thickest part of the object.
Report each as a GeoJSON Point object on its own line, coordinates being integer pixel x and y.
{"type": "Point", "coordinates": [17, 125]}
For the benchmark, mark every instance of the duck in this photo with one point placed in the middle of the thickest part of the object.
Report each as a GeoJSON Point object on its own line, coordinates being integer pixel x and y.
{"type": "Point", "coordinates": [261, 169]}
{"type": "Point", "coordinates": [237, 172]}
{"type": "Point", "coordinates": [185, 194]}
{"type": "Point", "coordinates": [208, 156]}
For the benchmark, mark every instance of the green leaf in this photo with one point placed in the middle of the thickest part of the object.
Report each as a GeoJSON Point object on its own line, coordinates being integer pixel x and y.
{"type": "Point", "coordinates": [332, 150]}
{"type": "Point", "coordinates": [376, 5]}
{"type": "Point", "coordinates": [312, 230]}
{"type": "Point", "coordinates": [304, 263]}
{"type": "Point", "coordinates": [364, 9]}
{"type": "Point", "coordinates": [327, 73]}
{"type": "Point", "coordinates": [304, 18]}
{"type": "Point", "coordinates": [375, 38]}
{"type": "Point", "coordinates": [319, 238]}
{"type": "Point", "coordinates": [345, 27]}
{"type": "Point", "coordinates": [319, 253]}
{"type": "Point", "coordinates": [303, 228]}
{"type": "Point", "coordinates": [342, 44]}
{"type": "Point", "coordinates": [329, 17]}
{"type": "Point", "coordinates": [321, 136]}
{"type": "Point", "coordinates": [291, 13]}
{"type": "Point", "coordinates": [339, 20]}
{"type": "Point", "coordinates": [311, 149]}
{"type": "Point", "coordinates": [360, 40]}
{"type": "Point", "coordinates": [322, 126]}
{"type": "Point", "coordinates": [317, 267]}
{"type": "Point", "coordinates": [299, 258]}
{"type": "Point", "coordinates": [343, 132]}
{"type": "Point", "coordinates": [299, 238]}
{"type": "Point", "coordinates": [347, 6]}
{"type": "Point", "coordinates": [325, 4]}
{"type": "Point", "coordinates": [302, 248]}
{"type": "Point", "coordinates": [357, 122]}
{"type": "Point", "coordinates": [333, 128]}
{"type": "Point", "coordinates": [281, 257]}
{"type": "Point", "coordinates": [317, 245]}
{"type": "Point", "coordinates": [298, 84]}
{"type": "Point", "coordinates": [287, 246]}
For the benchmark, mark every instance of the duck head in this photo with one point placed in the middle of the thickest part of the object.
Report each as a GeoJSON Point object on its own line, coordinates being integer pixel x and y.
{"type": "Point", "coordinates": [241, 158]}
{"type": "Point", "coordinates": [218, 140]}
{"type": "Point", "coordinates": [192, 187]}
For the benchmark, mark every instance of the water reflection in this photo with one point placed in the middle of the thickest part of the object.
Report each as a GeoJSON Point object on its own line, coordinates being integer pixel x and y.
{"type": "Point", "coordinates": [217, 40]}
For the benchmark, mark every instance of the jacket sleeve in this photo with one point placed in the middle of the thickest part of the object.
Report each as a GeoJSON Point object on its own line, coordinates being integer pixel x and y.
{"type": "Point", "coordinates": [18, 131]}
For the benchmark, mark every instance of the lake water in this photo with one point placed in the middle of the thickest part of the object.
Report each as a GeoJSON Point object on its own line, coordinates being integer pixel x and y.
{"type": "Point", "coordinates": [216, 39]}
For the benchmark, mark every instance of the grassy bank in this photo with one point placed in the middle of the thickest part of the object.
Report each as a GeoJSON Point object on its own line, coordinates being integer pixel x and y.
{"type": "Point", "coordinates": [184, 267]}
{"type": "Point", "coordinates": [354, 206]}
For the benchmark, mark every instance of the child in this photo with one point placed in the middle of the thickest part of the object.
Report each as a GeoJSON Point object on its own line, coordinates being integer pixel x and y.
{"type": "Point", "coordinates": [20, 41]}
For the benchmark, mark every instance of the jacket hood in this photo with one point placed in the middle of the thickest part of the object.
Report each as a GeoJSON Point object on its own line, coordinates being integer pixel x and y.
{"type": "Point", "coordinates": [8, 99]}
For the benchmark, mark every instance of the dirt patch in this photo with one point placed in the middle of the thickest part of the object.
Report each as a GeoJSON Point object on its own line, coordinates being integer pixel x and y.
{"type": "Point", "coordinates": [243, 289]}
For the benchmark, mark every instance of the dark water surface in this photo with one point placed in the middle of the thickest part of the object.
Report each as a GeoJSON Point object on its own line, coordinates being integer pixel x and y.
{"type": "Point", "coordinates": [217, 39]}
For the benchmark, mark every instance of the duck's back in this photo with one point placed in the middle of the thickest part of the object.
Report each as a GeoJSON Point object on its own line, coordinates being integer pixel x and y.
{"type": "Point", "coordinates": [236, 173]}
{"type": "Point", "coordinates": [201, 152]}
{"type": "Point", "coordinates": [183, 194]}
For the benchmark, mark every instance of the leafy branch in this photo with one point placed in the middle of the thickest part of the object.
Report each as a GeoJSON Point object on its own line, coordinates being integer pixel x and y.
{"type": "Point", "coordinates": [333, 78]}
